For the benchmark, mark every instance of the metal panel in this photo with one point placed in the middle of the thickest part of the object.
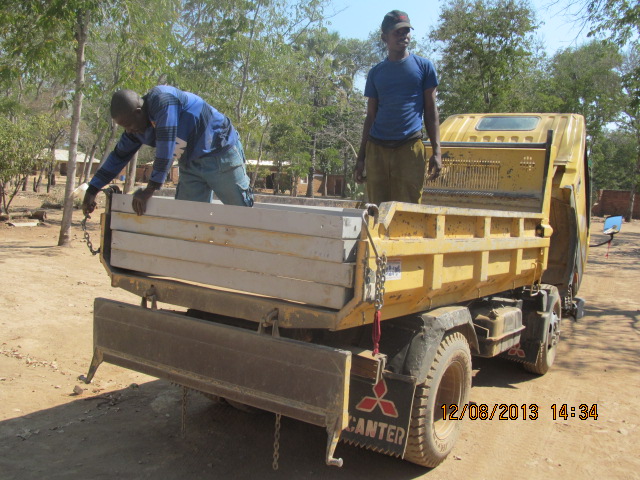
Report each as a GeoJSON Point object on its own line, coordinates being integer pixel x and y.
{"type": "Point", "coordinates": [329, 296]}
{"type": "Point", "coordinates": [321, 222]}
{"type": "Point", "coordinates": [305, 246]}
{"type": "Point", "coordinates": [300, 380]}
{"type": "Point", "coordinates": [205, 254]}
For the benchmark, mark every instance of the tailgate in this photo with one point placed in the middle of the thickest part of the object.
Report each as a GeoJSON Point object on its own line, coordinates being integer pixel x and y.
{"type": "Point", "coordinates": [304, 381]}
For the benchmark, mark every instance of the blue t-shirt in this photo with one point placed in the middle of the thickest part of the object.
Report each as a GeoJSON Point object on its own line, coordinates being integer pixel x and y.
{"type": "Point", "coordinates": [399, 88]}
{"type": "Point", "coordinates": [183, 127]}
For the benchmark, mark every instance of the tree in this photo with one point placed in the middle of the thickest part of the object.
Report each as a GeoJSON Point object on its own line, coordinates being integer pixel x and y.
{"type": "Point", "coordinates": [619, 20]}
{"type": "Point", "coordinates": [484, 47]}
{"type": "Point", "coordinates": [54, 132]}
{"type": "Point", "coordinates": [22, 145]}
{"type": "Point", "coordinates": [587, 81]}
{"type": "Point", "coordinates": [52, 37]}
{"type": "Point", "coordinates": [287, 145]}
{"type": "Point", "coordinates": [328, 73]}
{"type": "Point", "coordinates": [631, 115]}
{"type": "Point", "coordinates": [613, 160]}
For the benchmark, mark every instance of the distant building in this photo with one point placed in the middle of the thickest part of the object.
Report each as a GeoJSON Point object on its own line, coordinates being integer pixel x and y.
{"type": "Point", "coordinates": [62, 159]}
{"type": "Point", "coordinates": [335, 183]}
{"type": "Point", "coordinates": [143, 173]}
{"type": "Point", "coordinates": [615, 202]}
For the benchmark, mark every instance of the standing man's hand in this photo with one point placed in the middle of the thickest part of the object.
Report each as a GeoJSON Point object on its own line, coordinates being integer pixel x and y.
{"type": "Point", "coordinates": [435, 166]}
{"type": "Point", "coordinates": [141, 197]}
{"type": "Point", "coordinates": [89, 203]}
{"type": "Point", "coordinates": [358, 172]}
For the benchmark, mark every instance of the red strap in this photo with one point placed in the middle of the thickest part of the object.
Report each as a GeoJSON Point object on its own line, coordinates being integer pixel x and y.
{"type": "Point", "coordinates": [376, 334]}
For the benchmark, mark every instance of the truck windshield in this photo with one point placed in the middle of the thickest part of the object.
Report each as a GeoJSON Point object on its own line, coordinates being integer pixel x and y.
{"type": "Point", "coordinates": [508, 123]}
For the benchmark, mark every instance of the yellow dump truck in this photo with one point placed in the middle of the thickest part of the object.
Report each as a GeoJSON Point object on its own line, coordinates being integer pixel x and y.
{"type": "Point", "coordinates": [362, 321]}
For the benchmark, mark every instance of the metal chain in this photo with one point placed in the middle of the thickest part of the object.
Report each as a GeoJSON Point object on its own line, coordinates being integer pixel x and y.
{"type": "Point", "coordinates": [276, 443]}
{"type": "Point", "coordinates": [87, 238]}
{"type": "Point", "coordinates": [381, 277]}
{"type": "Point", "coordinates": [185, 398]}
{"type": "Point", "coordinates": [567, 301]}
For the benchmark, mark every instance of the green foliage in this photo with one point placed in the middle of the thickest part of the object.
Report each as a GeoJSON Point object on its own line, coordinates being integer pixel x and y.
{"type": "Point", "coordinates": [287, 146]}
{"type": "Point", "coordinates": [586, 80]}
{"type": "Point", "coordinates": [484, 46]}
{"type": "Point", "coordinates": [619, 20]}
{"type": "Point", "coordinates": [614, 159]}
{"type": "Point", "coordinates": [631, 88]}
{"type": "Point", "coordinates": [22, 143]}
{"type": "Point", "coordinates": [355, 191]}
{"type": "Point", "coordinates": [287, 82]}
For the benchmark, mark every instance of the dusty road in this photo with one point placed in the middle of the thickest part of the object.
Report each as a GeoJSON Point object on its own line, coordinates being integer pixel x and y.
{"type": "Point", "coordinates": [128, 426]}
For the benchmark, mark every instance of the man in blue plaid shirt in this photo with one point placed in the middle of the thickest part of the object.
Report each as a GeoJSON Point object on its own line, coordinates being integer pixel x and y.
{"type": "Point", "coordinates": [181, 126]}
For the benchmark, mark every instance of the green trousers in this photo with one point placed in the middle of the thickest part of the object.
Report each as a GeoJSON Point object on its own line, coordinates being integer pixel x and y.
{"type": "Point", "coordinates": [395, 174]}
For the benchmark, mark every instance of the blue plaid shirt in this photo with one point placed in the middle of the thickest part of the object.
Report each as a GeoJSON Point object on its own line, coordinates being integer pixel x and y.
{"type": "Point", "coordinates": [183, 127]}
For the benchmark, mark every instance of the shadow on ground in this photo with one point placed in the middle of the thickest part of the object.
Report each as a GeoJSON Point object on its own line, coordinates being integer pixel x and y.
{"type": "Point", "coordinates": [135, 433]}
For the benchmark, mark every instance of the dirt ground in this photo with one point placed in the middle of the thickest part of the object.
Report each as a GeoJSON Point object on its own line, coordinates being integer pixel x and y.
{"type": "Point", "coordinates": [128, 426]}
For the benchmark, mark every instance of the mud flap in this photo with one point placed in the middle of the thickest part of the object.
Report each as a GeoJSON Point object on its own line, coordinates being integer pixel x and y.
{"type": "Point", "coordinates": [537, 313]}
{"type": "Point", "coordinates": [304, 381]}
{"type": "Point", "coordinates": [379, 413]}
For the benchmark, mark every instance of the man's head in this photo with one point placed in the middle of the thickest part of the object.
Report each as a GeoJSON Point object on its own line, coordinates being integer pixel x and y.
{"type": "Point", "coordinates": [128, 112]}
{"type": "Point", "coordinates": [396, 33]}
{"type": "Point", "coordinates": [395, 19]}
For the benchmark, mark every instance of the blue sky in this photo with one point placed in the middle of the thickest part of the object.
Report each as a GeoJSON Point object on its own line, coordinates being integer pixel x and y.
{"type": "Point", "coordinates": [357, 18]}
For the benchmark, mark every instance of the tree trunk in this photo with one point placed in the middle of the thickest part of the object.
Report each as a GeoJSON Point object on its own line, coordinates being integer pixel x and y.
{"type": "Point", "coordinates": [247, 62]}
{"type": "Point", "coordinates": [83, 168]}
{"type": "Point", "coordinates": [82, 30]}
{"type": "Point", "coordinates": [107, 150]}
{"type": "Point", "coordinates": [345, 172]}
{"type": "Point", "coordinates": [36, 182]}
{"type": "Point", "coordinates": [130, 181]}
{"type": "Point", "coordinates": [254, 174]}
{"type": "Point", "coordinates": [312, 168]}
{"type": "Point", "coordinates": [94, 147]}
{"type": "Point", "coordinates": [632, 199]}
{"type": "Point", "coordinates": [634, 179]}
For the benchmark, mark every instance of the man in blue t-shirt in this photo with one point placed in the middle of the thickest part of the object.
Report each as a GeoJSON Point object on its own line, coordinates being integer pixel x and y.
{"type": "Point", "coordinates": [401, 91]}
{"type": "Point", "coordinates": [181, 126]}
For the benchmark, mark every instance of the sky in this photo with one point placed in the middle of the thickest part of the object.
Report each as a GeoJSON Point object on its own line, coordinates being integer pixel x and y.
{"type": "Point", "coordinates": [357, 18]}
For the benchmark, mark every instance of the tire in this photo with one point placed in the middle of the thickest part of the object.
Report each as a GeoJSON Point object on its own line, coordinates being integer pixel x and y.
{"type": "Point", "coordinates": [548, 348]}
{"type": "Point", "coordinates": [237, 405]}
{"type": "Point", "coordinates": [431, 436]}
{"type": "Point", "coordinates": [243, 407]}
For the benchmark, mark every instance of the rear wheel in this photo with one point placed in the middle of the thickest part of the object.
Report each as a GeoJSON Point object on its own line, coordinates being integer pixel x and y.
{"type": "Point", "coordinates": [549, 346]}
{"type": "Point", "coordinates": [432, 435]}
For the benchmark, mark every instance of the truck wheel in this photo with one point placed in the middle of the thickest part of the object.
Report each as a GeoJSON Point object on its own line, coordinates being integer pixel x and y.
{"type": "Point", "coordinates": [431, 435]}
{"type": "Point", "coordinates": [548, 348]}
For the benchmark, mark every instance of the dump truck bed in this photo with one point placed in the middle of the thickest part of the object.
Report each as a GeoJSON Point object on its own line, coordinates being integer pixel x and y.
{"type": "Point", "coordinates": [316, 265]}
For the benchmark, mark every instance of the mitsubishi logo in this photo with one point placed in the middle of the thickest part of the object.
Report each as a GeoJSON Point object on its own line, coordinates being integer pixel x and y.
{"type": "Point", "coordinates": [368, 404]}
{"type": "Point", "coordinates": [516, 351]}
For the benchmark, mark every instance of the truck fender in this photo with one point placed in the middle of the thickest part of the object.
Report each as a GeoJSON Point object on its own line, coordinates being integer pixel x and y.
{"type": "Point", "coordinates": [419, 336]}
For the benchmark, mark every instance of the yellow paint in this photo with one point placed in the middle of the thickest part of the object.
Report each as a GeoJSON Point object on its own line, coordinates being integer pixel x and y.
{"type": "Point", "coordinates": [484, 225]}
